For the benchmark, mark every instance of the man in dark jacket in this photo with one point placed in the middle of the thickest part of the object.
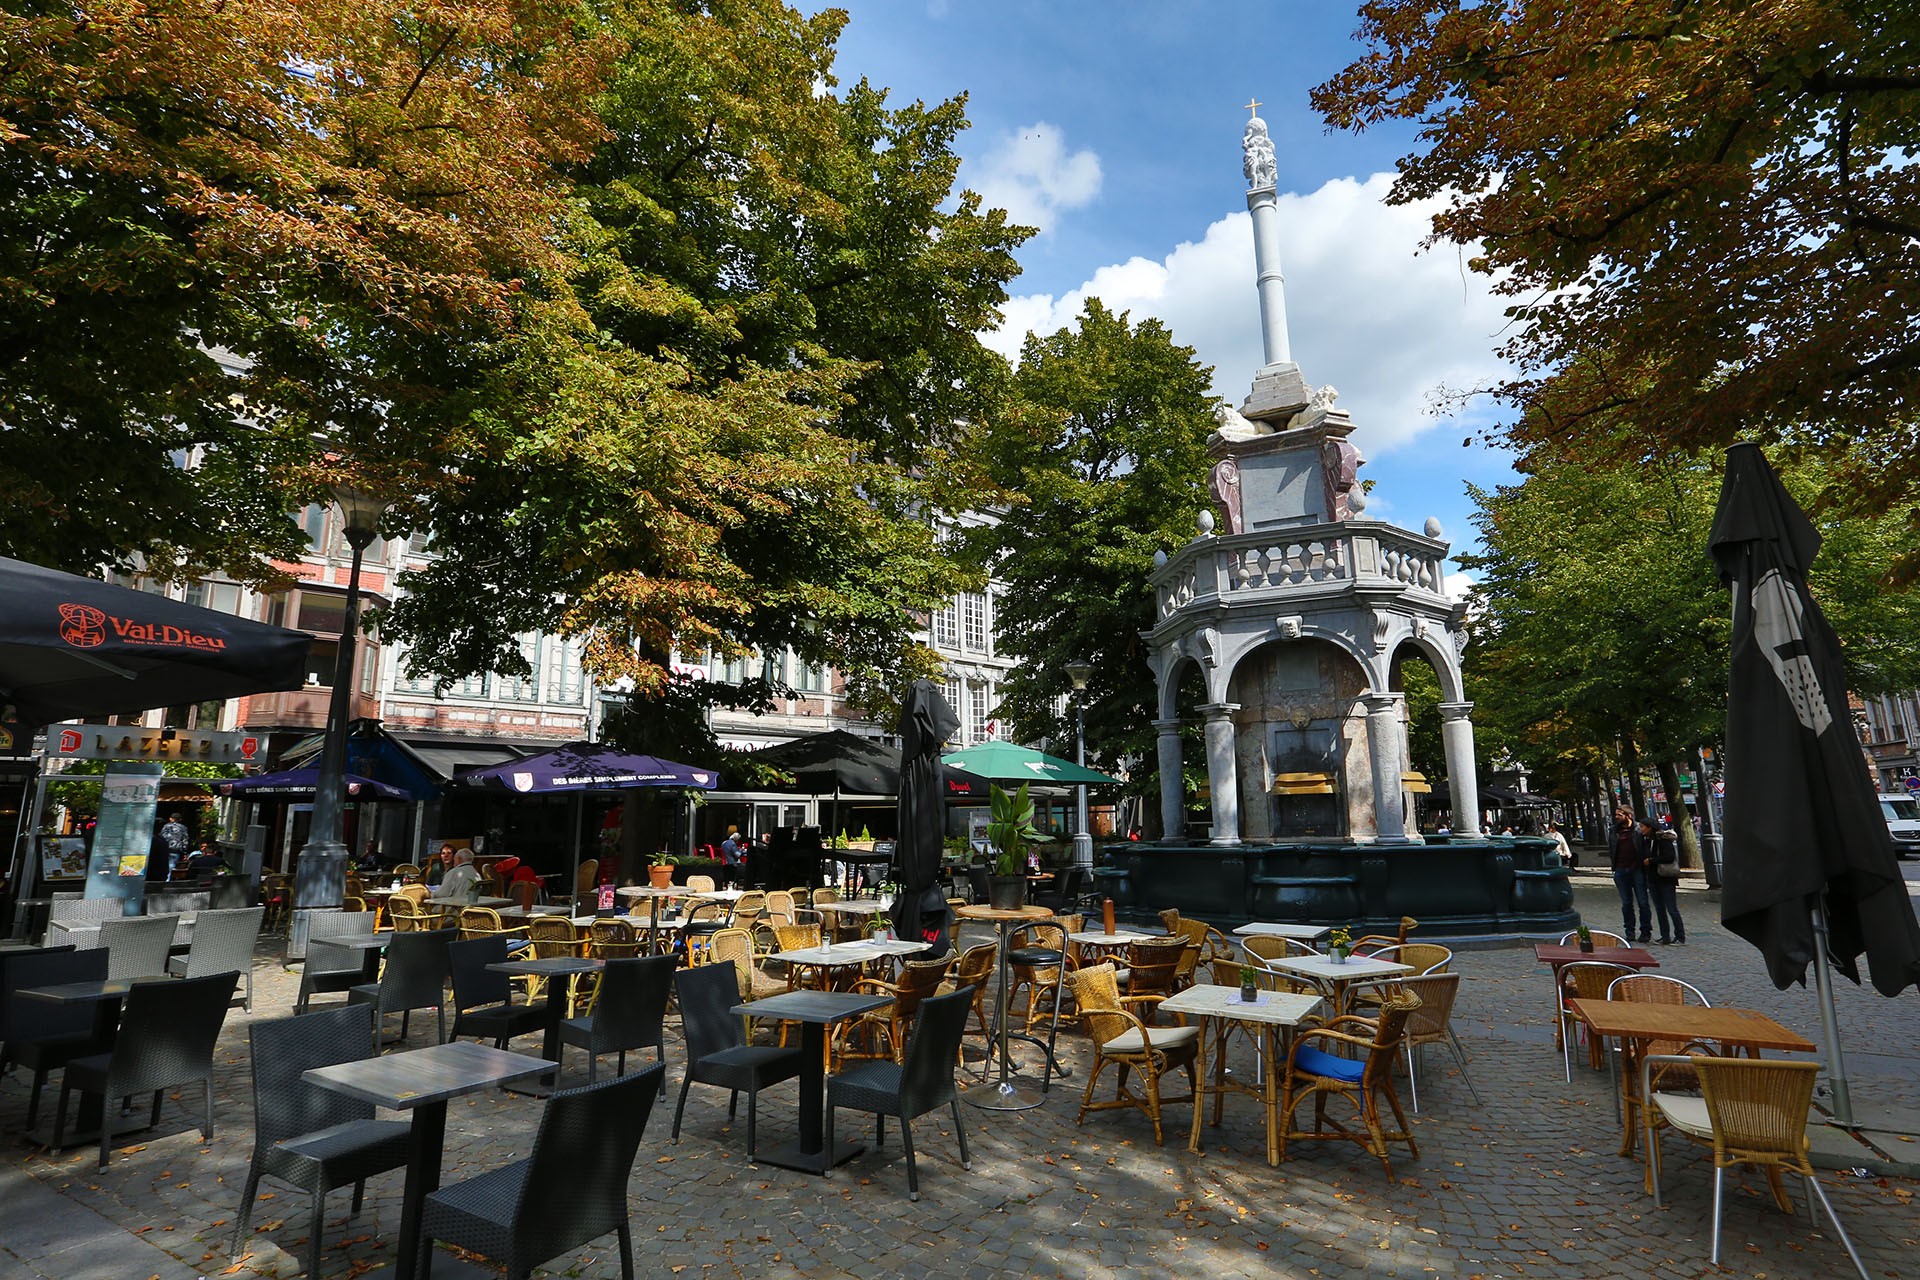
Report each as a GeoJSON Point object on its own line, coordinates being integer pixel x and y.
{"type": "Point", "coordinates": [1632, 854]}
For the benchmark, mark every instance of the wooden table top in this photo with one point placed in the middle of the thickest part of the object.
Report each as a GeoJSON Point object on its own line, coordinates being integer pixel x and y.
{"type": "Point", "coordinates": [975, 911]}
{"type": "Point", "coordinates": [1557, 955]}
{"type": "Point", "coordinates": [1634, 1020]}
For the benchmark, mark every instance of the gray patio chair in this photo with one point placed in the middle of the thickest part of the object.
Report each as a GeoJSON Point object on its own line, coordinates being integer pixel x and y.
{"type": "Point", "coordinates": [84, 914]}
{"type": "Point", "coordinates": [571, 1189]}
{"type": "Point", "coordinates": [906, 1090]}
{"type": "Point", "coordinates": [483, 1001]}
{"type": "Point", "coordinates": [166, 1038]}
{"type": "Point", "coordinates": [628, 1012]}
{"type": "Point", "coordinates": [717, 1051]}
{"type": "Point", "coordinates": [136, 946]}
{"type": "Point", "coordinates": [314, 1138]}
{"type": "Point", "coordinates": [222, 943]}
{"type": "Point", "coordinates": [415, 977]}
{"type": "Point", "coordinates": [336, 970]}
{"type": "Point", "coordinates": [42, 1036]}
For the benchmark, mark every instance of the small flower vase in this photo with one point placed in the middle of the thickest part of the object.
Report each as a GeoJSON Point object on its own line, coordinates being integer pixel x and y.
{"type": "Point", "coordinates": [1586, 945]}
{"type": "Point", "coordinates": [1339, 955]}
{"type": "Point", "coordinates": [1249, 993]}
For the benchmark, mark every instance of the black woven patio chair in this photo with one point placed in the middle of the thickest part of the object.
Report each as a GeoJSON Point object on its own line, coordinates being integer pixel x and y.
{"type": "Point", "coordinates": [628, 1012]}
{"type": "Point", "coordinates": [415, 977]}
{"type": "Point", "coordinates": [42, 1036]}
{"type": "Point", "coordinates": [314, 1138]}
{"type": "Point", "coordinates": [572, 1187]}
{"type": "Point", "coordinates": [717, 1051]}
{"type": "Point", "coordinates": [482, 1001]}
{"type": "Point", "coordinates": [912, 1088]}
{"type": "Point", "coordinates": [167, 1034]}
{"type": "Point", "coordinates": [331, 970]}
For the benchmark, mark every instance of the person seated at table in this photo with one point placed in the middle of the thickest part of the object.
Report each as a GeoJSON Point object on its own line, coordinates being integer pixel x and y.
{"type": "Point", "coordinates": [437, 868]}
{"type": "Point", "coordinates": [462, 883]}
{"type": "Point", "coordinates": [205, 861]}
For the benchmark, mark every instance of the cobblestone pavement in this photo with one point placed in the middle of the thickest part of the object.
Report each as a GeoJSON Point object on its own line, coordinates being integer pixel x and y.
{"type": "Point", "coordinates": [1527, 1184]}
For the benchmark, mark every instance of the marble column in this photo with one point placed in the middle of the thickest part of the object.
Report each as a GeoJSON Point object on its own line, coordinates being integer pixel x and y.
{"type": "Point", "coordinates": [1223, 771]}
{"type": "Point", "coordinates": [1383, 742]}
{"type": "Point", "coordinates": [1173, 797]}
{"type": "Point", "coordinates": [1456, 736]}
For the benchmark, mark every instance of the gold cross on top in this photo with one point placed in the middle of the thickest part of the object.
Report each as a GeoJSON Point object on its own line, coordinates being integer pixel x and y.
{"type": "Point", "coordinates": [1253, 107]}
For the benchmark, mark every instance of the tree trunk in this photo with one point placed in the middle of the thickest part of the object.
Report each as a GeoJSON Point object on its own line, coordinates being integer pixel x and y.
{"type": "Point", "coordinates": [1682, 816]}
{"type": "Point", "coordinates": [1630, 761]}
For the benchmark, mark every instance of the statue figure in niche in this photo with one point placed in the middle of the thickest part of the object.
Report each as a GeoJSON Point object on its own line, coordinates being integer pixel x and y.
{"type": "Point", "coordinates": [1340, 465]}
{"type": "Point", "coordinates": [1225, 484]}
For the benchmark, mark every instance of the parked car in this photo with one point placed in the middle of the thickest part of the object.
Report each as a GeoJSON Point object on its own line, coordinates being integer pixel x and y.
{"type": "Point", "coordinates": [1903, 822]}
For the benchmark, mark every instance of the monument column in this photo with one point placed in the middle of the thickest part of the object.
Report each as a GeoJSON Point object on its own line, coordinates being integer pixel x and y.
{"type": "Point", "coordinates": [1456, 736]}
{"type": "Point", "coordinates": [1383, 744]}
{"type": "Point", "coordinates": [1223, 772]}
{"type": "Point", "coordinates": [1173, 808]}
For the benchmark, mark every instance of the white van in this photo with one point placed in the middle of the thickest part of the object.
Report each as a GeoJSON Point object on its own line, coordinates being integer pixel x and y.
{"type": "Point", "coordinates": [1903, 821]}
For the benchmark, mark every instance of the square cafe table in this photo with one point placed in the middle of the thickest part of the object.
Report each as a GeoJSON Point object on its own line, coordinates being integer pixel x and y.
{"type": "Point", "coordinates": [1335, 976]}
{"type": "Point", "coordinates": [1275, 1014]}
{"type": "Point", "coordinates": [423, 1081]}
{"type": "Point", "coordinates": [552, 969]}
{"type": "Point", "coordinates": [1308, 933]}
{"type": "Point", "coordinates": [1561, 956]}
{"type": "Point", "coordinates": [816, 1012]}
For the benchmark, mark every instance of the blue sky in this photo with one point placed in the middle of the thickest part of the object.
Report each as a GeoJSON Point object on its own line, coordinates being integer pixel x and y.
{"type": "Point", "coordinates": [1116, 128]}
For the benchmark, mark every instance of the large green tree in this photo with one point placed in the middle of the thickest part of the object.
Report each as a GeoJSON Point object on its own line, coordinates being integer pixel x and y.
{"type": "Point", "coordinates": [1704, 211]}
{"type": "Point", "coordinates": [1102, 452]}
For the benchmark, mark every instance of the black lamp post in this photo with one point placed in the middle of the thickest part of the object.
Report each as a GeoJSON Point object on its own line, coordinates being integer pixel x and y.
{"type": "Point", "coordinates": [320, 879]}
{"type": "Point", "coordinates": [1079, 673]}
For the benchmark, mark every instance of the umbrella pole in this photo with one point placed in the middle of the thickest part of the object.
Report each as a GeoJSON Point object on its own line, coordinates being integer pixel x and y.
{"type": "Point", "coordinates": [1829, 1022]}
{"type": "Point", "coordinates": [573, 877]}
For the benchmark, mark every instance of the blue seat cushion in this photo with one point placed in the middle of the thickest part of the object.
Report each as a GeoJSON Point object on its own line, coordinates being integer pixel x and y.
{"type": "Point", "coordinates": [1314, 1062]}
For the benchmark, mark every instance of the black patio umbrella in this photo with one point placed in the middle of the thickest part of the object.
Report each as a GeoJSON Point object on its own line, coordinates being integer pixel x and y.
{"type": "Point", "coordinates": [837, 761]}
{"type": "Point", "coordinates": [1810, 871]}
{"type": "Point", "coordinates": [73, 647]}
{"type": "Point", "coordinates": [920, 910]}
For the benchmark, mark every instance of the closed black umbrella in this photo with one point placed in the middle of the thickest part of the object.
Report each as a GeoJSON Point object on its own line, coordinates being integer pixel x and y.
{"type": "Point", "coordinates": [920, 910]}
{"type": "Point", "coordinates": [1810, 870]}
{"type": "Point", "coordinates": [73, 647]}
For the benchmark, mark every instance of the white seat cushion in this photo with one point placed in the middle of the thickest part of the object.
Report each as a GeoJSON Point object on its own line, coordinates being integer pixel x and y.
{"type": "Point", "coordinates": [1685, 1113]}
{"type": "Point", "coordinates": [1163, 1038]}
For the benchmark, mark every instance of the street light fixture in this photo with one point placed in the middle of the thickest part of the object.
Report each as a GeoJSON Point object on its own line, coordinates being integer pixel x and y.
{"type": "Point", "coordinates": [320, 879]}
{"type": "Point", "coordinates": [1079, 673]}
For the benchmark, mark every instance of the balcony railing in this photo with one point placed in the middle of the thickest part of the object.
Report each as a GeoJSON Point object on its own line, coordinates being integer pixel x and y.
{"type": "Point", "coordinates": [1248, 567]}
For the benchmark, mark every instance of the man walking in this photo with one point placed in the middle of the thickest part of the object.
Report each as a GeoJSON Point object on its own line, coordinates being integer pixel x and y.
{"type": "Point", "coordinates": [1631, 853]}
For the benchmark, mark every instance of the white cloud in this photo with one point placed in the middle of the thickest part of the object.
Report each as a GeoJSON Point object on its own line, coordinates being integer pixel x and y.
{"type": "Point", "coordinates": [1386, 325]}
{"type": "Point", "coordinates": [1030, 174]}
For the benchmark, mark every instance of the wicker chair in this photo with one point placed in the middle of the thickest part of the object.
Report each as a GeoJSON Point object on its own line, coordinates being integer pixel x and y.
{"type": "Point", "coordinates": [780, 907]}
{"type": "Point", "coordinates": [1751, 1111]}
{"type": "Point", "coordinates": [331, 969]}
{"type": "Point", "coordinates": [919, 982]}
{"type": "Point", "coordinates": [483, 1000]}
{"type": "Point", "coordinates": [40, 1035]}
{"type": "Point", "coordinates": [612, 940]}
{"type": "Point", "coordinates": [1123, 1039]}
{"type": "Point", "coordinates": [485, 922]}
{"type": "Point", "coordinates": [407, 872]}
{"type": "Point", "coordinates": [975, 969]}
{"type": "Point", "coordinates": [1601, 938]}
{"type": "Point", "coordinates": [1583, 980]}
{"type": "Point", "coordinates": [137, 946]}
{"type": "Point", "coordinates": [629, 1011]}
{"type": "Point", "coordinates": [409, 915]}
{"type": "Point", "coordinates": [222, 943]}
{"type": "Point", "coordinates": [1421, 957]}
{"type": "Point", "coordinates": [1201, 946]}
{"type": "Point", "coordinates": [752, 904]}
{"type": "Point", "coordinates": [1431, 1022]}
{"type": "Point", "coordinates": [919, 1082]}
{"type": "Point", "coordinates": [736, 945]}
{"type": "Point", "coordinates": [1153, 965]}
{"type": "Point", "coordinates": [1668, 1076]}
{"type": "Point", "coordinates": [167, 1034]}
{"type": "Point", "coordinates": [555, 937]}
{"type": "Point", "coordinates": [1365, 945]}
{"type": "Point", "coordinates": [717, 1051]}
{"type": "Point", "coordinates": [1313, 1072]}
{"type": "Point", "coordinates": [571, 1188]}
{"type": "Point", "coordinates": [700, 884]}
{"type": "Point", "coordinates": [415, 977]}
{"type": "Point", "coordinates": [315, 1139]}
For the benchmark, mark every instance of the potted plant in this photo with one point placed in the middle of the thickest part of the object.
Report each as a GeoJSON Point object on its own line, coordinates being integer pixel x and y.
{"type": "Point", "coordinates": [1012, 833]}
{"type": "Point", "coordinates": [1340, 943]}
{"type": "Point", "coordinates": [660, 870]}
{"type": "Point", "coordinates": [1585, 935]}
{"type": "Point", "coordinates": [1249, 984]}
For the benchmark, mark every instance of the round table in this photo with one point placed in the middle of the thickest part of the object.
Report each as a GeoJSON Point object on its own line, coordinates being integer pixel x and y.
{"type": "Point", "coordinates": [1003, 1094]}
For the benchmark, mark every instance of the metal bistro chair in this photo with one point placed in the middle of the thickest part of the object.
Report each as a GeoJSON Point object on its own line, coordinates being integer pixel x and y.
{"type": "Point", "coordinates": [415, 977]}
{"type": "Point", "coordinates": [570, 1189]}
{"type": "Point", "coordinates": [166, 1038]}
{"type": "Point", "coordinates": [483, 1000]}
{"type": "Point", "coordinates": [717, 1051]}
{"type": "Point", "coordinates": [223, 942]}
{"type": "Point", "coordinates": [920, 1082]}
{"type": "Point", "coordinates": [1431, 1022]}
{"type": "Point", "coordinates": [137, 946]}
{"type": "Point", "coordinates": [629, 1012]}
{"type": "Point", "coordinates": [315, 1139]}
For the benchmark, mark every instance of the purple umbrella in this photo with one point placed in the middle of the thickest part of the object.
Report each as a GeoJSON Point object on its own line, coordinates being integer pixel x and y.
{"type": "Point", "coordinates": [303, 782]}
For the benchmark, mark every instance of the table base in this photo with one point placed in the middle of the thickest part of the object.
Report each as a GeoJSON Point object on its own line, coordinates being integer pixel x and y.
{"type": "Point", "coordinates": [85, 1133]}
{"type": "Point", "coordinates": [1006, 1094]}
{"type": "Point", "coordinates": [791, 1156]}
{"type": "Point", "coordinates": [540, 1086]}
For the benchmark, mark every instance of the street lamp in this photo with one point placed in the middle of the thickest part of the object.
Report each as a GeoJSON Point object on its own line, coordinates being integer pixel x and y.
{"type": "Point", "coordinates": [1079, 672]}
{"type": "Point", "coordinates": [320, 879]}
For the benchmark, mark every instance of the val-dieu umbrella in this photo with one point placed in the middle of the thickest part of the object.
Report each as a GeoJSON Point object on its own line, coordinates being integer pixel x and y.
{"type": "Point", "coordinates": [1010, 762]}
{"type": "Point", "coordinates": [580, 767]}
{"type": "Point", "coordinates": [73, 647]}
{"type": "Point", "coordinates": [920, 911]}
{"type": "Point", "coordinates": [1810, 871]}
{"type": "Point", "coordinates": [303, 782]}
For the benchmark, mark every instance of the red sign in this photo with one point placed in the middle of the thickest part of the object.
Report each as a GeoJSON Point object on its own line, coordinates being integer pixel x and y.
{"type": "Point", "coordinates": [85, 627]}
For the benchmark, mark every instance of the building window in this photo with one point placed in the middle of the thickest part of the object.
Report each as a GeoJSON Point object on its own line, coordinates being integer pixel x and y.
{"type": "Point", "coordinates": [224, 597]}
{"type": "Point", "coordinates": [979, 703]}
{"type": "Point", "coordinates": [470, 687]}
{"type": "Point", "coordinates": [946, 626]}
{"type": "Point", "coordinates": [420, 543]}
{"type": "Point", "coordinates": [974, 606]}
{"type": "Point", "coordinates": [322, 612]}
{"type": "Point", "coordinates": [568, 682]}
{"type": "Point", "coordinates": [956, 698]}
{"type": "Point", "coordinates": [523, 688]}
{"type": "Point", "coordinates": [809, 678]}
{"type": "Point", "coordinates": [313, 521]}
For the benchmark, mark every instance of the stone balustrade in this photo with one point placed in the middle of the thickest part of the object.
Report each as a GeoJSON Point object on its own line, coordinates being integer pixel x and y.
{"type": "Point", "coordinates": [1240, 568]}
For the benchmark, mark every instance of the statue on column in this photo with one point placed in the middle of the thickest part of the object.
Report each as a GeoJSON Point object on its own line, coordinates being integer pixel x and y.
{"type": "Point", "coordinates": [1340, 465]}
{"type": "Point", "coordinates": [1259, 163]}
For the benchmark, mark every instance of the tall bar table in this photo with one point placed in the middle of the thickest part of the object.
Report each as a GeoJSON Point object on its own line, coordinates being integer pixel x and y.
{"type": "Point", "coordinates": [1004, 1094]}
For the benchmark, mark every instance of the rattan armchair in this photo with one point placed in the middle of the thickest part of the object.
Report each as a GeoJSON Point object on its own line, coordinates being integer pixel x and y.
{"type": "Point", "coordinates": [1751, 1111]}
{"type": "Point", "coordinates": [974, 969]}
{"type": "Point", "coordinates": [1583, 980]}
{"type": "Point", "coordinates": [1365, 945]}
{"type": "Point", "coordinates": [485, 922]}
{"type": "Point", "coordinates": [1122, 1039]}
{"type": "Point", "coordinates": [554, 937]}
{"type": "Point", "coordinates": [613, 940]}
{"type": "Point", "coordinates": [921, 1081]}
{"type": "Point", "coordinates": [1672, 1074]}
{"type": "Point", "coordinates": [1431, 1022]}
{"type": "Point", "coordinates": [919, 981]}
{"type": "Point", "coordinates": [1600, 937]}
{"type": "Point", "coordinates": [1315, 1073]}
{"type": "Point", "coordinates": [1153, 965]}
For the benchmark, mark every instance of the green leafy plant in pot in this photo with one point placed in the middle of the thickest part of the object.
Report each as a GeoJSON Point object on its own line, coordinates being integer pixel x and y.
{"type": "Point", "coordinates": [1012, 832]}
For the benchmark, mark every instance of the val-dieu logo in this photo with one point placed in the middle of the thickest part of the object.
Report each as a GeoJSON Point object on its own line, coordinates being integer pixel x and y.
{"type": "Point", "coordinates": [523, 782]}
{"type": "Point", "coordinates": [83, 626]}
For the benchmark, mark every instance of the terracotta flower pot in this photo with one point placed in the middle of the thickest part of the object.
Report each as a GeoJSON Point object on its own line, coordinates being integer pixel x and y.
{"type": "Point", "coordinates": [660, 875]}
